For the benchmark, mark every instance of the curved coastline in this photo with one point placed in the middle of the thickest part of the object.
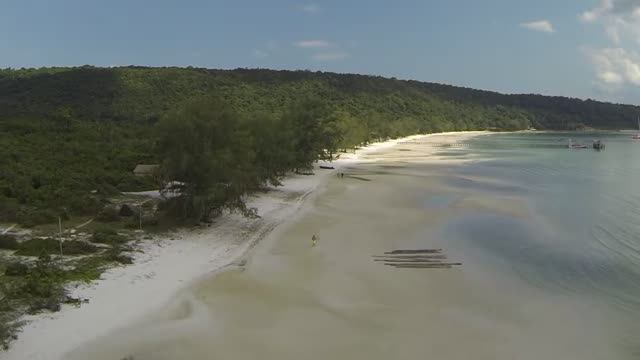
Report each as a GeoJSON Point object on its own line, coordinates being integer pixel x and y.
{"type": "Point", "coordinates": [167, 264]}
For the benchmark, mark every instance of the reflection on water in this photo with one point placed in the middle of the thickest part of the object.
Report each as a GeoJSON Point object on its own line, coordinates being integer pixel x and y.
{"type": "Point", "coordinates": [551, 265]}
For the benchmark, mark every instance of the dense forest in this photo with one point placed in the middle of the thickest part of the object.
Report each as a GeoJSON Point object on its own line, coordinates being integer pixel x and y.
{"type": "Point", "coordinates": [69, 137]}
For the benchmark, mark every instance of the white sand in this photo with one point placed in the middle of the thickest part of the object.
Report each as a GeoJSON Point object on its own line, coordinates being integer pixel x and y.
{"type": "Point", "coordinates": [166, 265]}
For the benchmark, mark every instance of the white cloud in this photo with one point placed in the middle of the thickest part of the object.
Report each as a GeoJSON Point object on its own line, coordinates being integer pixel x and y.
{"type": "Point", "coordinates": [540, 25]}
{"type": "Point", "coordinates": [610, 77]}
{"type": "Point", "coordinates": [312, 44]}
{"type": "Point", "coordinates": [619, 18]}
{"type": "Point", "coordinates": [596, 13]}
{"type": "Point", "coordinates": [329, 56]}
{"type": "Point", "coordinates": [310, 8]}
{"type": "Point", "coordinates": [615, 67]}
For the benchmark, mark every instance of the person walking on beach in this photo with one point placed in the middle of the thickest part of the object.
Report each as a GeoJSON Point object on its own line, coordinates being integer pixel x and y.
{"type": "Point", "coordinates": [314, 240]}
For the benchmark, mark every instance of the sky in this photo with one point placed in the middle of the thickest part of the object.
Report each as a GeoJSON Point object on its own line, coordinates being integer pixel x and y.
{"type": "Point", "coordinates": [575, 48]}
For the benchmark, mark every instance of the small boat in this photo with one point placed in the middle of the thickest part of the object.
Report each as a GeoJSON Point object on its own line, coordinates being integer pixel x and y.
{"type": "Point", "coordinates": [576, 146]}
{"type": "Point", "coordinates": [637, 135]}
{"type": "Point", "coordinates": [598, 145]}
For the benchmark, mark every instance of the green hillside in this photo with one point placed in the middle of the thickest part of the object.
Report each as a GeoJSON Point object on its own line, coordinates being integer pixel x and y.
{"type": "Point", "coordinates": [144, 94]}
{"type": "Point", "coordinates": [70, 136]}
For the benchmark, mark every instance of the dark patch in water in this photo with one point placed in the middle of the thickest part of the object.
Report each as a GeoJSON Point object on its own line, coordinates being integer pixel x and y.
{"type": "Point", "coordinates": [542, 260]}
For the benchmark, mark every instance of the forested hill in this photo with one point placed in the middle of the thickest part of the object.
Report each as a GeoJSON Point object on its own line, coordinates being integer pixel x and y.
{"type": "Point", "coordinates": [389, 106]}
{"type": "Point", "coordinates": [71, 137]}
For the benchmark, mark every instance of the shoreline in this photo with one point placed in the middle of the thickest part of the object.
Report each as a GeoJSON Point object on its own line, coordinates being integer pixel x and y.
{"type": "Point", "coordinates": [167, 264]}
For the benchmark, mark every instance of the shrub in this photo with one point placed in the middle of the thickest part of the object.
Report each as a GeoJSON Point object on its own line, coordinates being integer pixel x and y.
{"type": "Point", "coordinates": [115, 254]}
{"type": "Point", "coordinates": [51, 303]}
{"type": "Point", "coordinates": [7, 334]}
{"type": "Point", "coordinates": [8, 242]}
{"type": "Point", "coordinates": [16, 269]}
{"type": "Point", "coordinates": [135, 183]}
{"type": "Point", "coordinates": [8, 209]}
{"type": "Point", "coordinates": [108, 214]}
{"type": "Point", "coordinates": [83, 204]}
{"type": "Point", "coordinates": [147, 220]}
{"type": "Point", "coordinates": [128, 210]}
{"type": "Point", "coordinates": [44, 280]}
{"type": "Point", "coordinates": [106, 189]}
{"type": "Point", "coordinates": [30, 217]}
{"type": "Point", "coordinates": [34, 247]}
{"type": "Point", "coordinates": [76, 247]}
{"type": "Point", "coordinates": [107, 235]}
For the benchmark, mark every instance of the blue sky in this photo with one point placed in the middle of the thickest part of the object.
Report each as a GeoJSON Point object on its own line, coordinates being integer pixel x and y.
{"type": "Point", "coordinates": [578, 48]}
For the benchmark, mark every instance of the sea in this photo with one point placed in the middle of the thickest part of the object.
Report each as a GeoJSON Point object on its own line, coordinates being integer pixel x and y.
{"type": "Point", "coordinates": [545, 240]}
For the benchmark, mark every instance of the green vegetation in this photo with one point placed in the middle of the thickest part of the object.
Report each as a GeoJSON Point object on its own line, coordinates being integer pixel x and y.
{"type": "Point", "coordinates": [213, 156]}
{"type": "Point", "coordinates": [36, 246]}
{"type": "Point", "coordinates": [32, 287]}
{"type": "Point", "coordinates": [8, 242]}
{"type": "Point", "coordinates": [72, 136]}
{"type": "Point", "coordinates": [16, 269]}
{"type": "Point", "coordinates": [106, 235]}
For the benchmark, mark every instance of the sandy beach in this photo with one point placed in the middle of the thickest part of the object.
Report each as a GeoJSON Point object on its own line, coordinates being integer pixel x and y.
{"type": "Point", "coordinates": [167, 264]}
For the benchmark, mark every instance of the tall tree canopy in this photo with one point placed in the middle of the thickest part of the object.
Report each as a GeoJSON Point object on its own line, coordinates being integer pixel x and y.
{"type": "Point", "coordinates": [208, 155]}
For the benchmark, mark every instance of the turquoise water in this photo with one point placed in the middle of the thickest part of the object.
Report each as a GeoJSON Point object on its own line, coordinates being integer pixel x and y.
{"type": "Point", "coordinates": [581, 235]}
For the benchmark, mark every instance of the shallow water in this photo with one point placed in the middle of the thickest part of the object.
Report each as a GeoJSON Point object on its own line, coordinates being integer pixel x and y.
{"type": "Point", "coordinates": [549, 239]}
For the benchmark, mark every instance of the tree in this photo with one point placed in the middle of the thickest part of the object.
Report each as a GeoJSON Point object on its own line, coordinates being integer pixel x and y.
{"type": "Point", "coordinates": [207, 157]}
{"type": "Point", "coordinates": [316, 134]}
{"type": "Point", "coordinates": [63, 118]}
{"type": "Point", "coordinates": [274, 147]}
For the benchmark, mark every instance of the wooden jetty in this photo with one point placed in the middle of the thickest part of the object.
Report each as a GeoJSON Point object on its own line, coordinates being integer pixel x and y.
{"type": "Point", "coordinates": [416, 259]}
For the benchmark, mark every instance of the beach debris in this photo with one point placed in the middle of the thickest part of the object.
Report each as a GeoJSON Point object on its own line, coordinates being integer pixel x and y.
{"type": "Point", "coordinates": [357, 178]}
{"type": "Point", "coordinates": [327, 167]}
{"type": "Point", "coordinates": [416, 259]}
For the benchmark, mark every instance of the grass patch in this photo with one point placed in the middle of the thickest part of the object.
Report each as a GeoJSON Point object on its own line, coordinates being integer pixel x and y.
{"type": "Point", "coordinates": [87, 269]}
{"type": "Point", "coordinates": [35, 247]}
{"type": "Point", "coordinates": [16, 269]}
{"type": "Point", "coordinates": [105, 235]}
{"type": "Point", "coordinates": [115, 255]}
{"type": "Point", "coordinates": [41, 286]}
